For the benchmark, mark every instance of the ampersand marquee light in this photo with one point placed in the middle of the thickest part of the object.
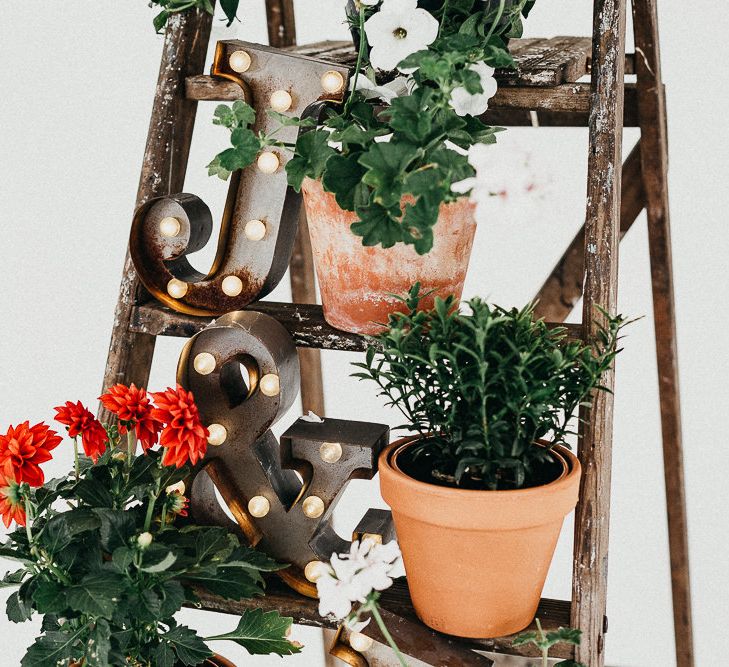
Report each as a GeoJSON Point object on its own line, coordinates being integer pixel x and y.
{"type": "Point", "coordinates": [261, 214]}
{"type": "Point", "coordinates": [244, 372]}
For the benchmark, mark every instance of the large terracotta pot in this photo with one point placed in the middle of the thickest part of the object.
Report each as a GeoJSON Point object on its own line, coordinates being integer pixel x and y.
{"type": "Point", "coordinates": [476, 561]}
{"type": "Point", "coordinates": [357, 283]}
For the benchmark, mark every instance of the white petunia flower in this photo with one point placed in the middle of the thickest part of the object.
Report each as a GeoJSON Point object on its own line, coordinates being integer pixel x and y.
{"type": "Point", "coordinates": [351, 577]}
{"type": "Point", "coordinates": [466, 104]}
{"type": "Point", "coordinates": [386, 92]}
{"type": "Point", "coordinates": [398, 30]}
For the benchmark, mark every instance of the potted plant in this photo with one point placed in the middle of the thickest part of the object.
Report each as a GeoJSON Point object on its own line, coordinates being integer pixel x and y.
{"type": "Point", "coordinates": [107, 555]}
{"type": "Point", "coordinates": [378, 172]}
{"type": "Point", "coordinates": [479, 492]}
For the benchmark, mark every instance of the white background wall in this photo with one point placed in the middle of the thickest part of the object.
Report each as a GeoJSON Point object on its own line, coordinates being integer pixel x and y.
{"type": "Point", "coordinates": [77, 83]}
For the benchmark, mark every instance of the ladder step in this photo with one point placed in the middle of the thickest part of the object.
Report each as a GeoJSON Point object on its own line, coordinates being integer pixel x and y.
{"type": "Point", "coordinates": [400, 618]}
{"type": "Point", "coordinates": [305, 323]}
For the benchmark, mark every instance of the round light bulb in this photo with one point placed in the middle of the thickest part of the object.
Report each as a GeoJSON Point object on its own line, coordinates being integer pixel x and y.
{"type": "Point", "coordinates": [281, 101]}
{"type": "Point", "coordinates": [270, 385]}
{"type": "Point", "coordinates": [232, 285]}
{"type": "Point", "coordinates": [239, 61]}
{"type": "Point", "coordinates": [314, 570]}
{"type": "Point", "coordinates": [179, 488]}
{"type": "Point", "coordinates": [330, 452]}
{"type": "Point", "coordinates": [313, 507]}
{"type": "Point", "coordinates": [258, 506]}
{"type": "Point", "coordinates": [204, 363]}
{"type": "Point", "coordinates": [268, 162]}
{"type": "Point", "coordinates": [360, 642]}
{"type": "Point", "coordinates": [176, 288]}
{"type": "Point", "coordinates": [169, 227]}
{"type": "Point", "coordinates": [217, 435]}
{"type": "Point", "coordinates": [332, 82]}
{"type": "Point", "coordinates": [255, 230]}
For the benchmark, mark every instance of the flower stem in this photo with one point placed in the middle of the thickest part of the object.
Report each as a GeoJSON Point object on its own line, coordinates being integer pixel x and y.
{"type": "Point", "coordinates": [360, 57]}
{"type": "Point", "coordinates": [443, 16]}
{"type": "Point", "coordinates": [545, 651]}
{"type": "Point", "coordinates": [150, 511]}
{"type": "Point", "coordinates": [495, 24]}
{"type": "Point", "coordinates": [131, 444]}
{"type": "Point", "coordinates": [386, 633]}
{"type": "Point", "coordinates": [75, 458]}
{"type": "Point", "coordinates": [28, 517]}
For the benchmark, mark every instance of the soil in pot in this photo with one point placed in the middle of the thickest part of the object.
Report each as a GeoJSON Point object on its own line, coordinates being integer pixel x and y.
{"type": "Point", "coordinates": [476, 560]}
{"type": "Point", "coordinates": [359, 284]}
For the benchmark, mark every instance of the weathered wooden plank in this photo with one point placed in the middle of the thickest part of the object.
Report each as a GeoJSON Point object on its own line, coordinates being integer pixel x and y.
{"type": "Point", "coordinates": [411, 635]}
{"type": "Point", "coordinates": [163, 171]}
{"type": "Point", "coordinates": [654, 154]}
{"type": "Point", "coordinates": [592, 517]}
{"type": "Point", "coordinates": [548, 62]}
{"type": "Point", "coordinates": [282, 33]}
{"type": "Point", "coordinates": [305, 322]}
{"type": "Point", "coordinates": [563, 288]}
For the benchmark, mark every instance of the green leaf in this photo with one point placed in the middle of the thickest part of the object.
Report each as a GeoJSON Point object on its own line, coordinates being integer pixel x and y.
{"type": "Point", "coordinates": [247, 557]}
{"type": "Point", "coordinates": [343, 177]}
{"type": "Point", "coordinates": [312, 152]}
{"type": "Point", "coordinates": [160, 20]}
{"type": "Point", "coordinates": [231, 583]}
{"type": "Point", "coordinates": [565, 635]}
{"type": "Point", "coordinates": [49, 597]}
{"type": "Point", "coordinates": [99, 645]}
{"type": "Point", "coordinates": [261, 633]}
{"type": "Point", "coordinates": [173, 596]}
{"type": "Point", "coordinates": [17, 609]}
{"type": "Point", "coordinates": [12, 579]}
{"type": "Point", "coordinates": [157, 558]}
{"type": "Point", "coordinates": [230, 8]}
{"type": "Point", "coordinates": [385, 163]}
{"type": "Point", "coordinates": [164, 656]}
{"type": "Point", "coordinates": [409, 115]}
{"type": "Point", "coordinates": [190, 648]}
{"type": "Point", "coordinates": [569, 663]}
{"type": "Point", "coordinates": [217, 169]}
{"type": "Point", "coordinates": [52, 648]}
{"type": "Point", "coordinates": [377, 225]}
{"type": "Point", "coordinates": [95, 594]}
{"type": "Point", "coordinates": [117, 527]}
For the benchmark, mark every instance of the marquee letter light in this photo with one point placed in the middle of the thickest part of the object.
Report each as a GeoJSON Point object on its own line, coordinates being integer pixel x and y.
{"type": "Point", "coordinates": [261, 214]}
{"type": "Point", "coordinates": [244, 373]}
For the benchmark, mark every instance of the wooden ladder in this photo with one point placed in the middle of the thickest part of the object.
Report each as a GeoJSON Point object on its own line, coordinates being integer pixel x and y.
{"type": "Point", "coordinates": [545, 91]}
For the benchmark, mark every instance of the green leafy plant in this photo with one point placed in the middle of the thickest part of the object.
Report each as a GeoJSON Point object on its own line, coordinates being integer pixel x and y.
{"type": "Point", "coordinates": [171, 7]}
{"type": "Point", "coordinates": [544, 641]}
{"type": "Point", "coordinates": [482, 387]}
{"type": "Point", "coordinates": [392, 152]}
{"type": "Point", "coordinates": [107, 554]}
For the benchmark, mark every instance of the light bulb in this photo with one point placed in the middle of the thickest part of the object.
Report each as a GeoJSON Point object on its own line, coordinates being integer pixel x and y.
{"type": "Point", "coordinates": [314, 570]}
{"type": "Point", "coordinates": [239, 61]}
{"type": "Point", "coordinates": [313, 507]}
{"type": "Point", "coordinates": [270, 385]}
{"type": "Point", "coordinates": [217, 435]}
{"type": "Point", "coordinates": [255, 230]}
{"type": "Point", "coordinates": [176, 288]}
{"type": "Point", "coordinates": [332, 82]}
{"type": "Point", "coordinates": [360, 642]}
{"type": "Point", "coordinates": [169, 227]}
{"type": "Point", "coordinates": [232, 285]}
{"type": "Point", "coordinates": [258, 506]}
{"type": "Point", "coordinates": [330, 452]}
{"type": "Point", "coordinates": [204, 363]}
{"type": "Point", "coordinates": [281, 101]}
{"type": "Point", "coordinates": [268, 162]}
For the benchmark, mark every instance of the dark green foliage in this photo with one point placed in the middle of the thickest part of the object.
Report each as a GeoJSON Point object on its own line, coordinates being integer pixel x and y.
{"type": "Point", "coordinates": [170, 7]}
{"type": "Point", "coordinates": [482, 387]}
{"type": "Point", "coordinates": [107, 598]}
{"type": "Point", "coordinates": [544, 641]}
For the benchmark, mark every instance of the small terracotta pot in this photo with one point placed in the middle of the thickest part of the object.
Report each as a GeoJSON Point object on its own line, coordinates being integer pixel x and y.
{"type": "Point", "coordinates": [357, 283]}
{"type": "Point", "coordinates": [476, 561]}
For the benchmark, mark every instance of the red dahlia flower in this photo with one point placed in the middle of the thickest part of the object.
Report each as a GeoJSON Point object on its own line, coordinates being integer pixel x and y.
{"type": "Point", "coordinates": [183, 435]}
{"type": "Point", "coordinates": [176, 503]}
{"type": "Point", "coordinates": [23, 448]}
{"type": "Point", "coordinates": [81, 422]}
{"type": "Point", "coordinates": [12, 506]}
{"type": "Point", "coordinates": [133, 407]}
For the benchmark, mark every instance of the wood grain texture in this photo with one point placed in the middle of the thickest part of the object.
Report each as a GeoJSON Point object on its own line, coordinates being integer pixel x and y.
{"type": "Point", "coordinates": [410, 634]}
{"type": "Point", "coordinates": [592, 516]}
{"type": "Point", "coordinates": [654, 154]}
{"type": "Point", "coordinates": [163, 172]}
{"type": "Point", "coordinates": [282, 33]}
{"type": "Point", "coordinates": [563, 288]}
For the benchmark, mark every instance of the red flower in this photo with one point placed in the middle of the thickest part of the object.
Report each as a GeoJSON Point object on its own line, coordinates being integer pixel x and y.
{"type": "Point", "coordinates": [23, 448]}
{"type": "Point", "coordinates": [12, 506]}
{"type": "Point", "coordinates": [81, 422]}
{"type": "Point", "coordinates": [177, 503]}
{"type": "Point", "coordinates": [133, 407]}
{"type": "Point", "coordinates": [184, 436]}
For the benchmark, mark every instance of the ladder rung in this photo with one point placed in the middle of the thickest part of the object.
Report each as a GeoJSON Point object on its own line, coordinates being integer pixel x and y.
{"type": "Point", "coordinates": [396, 603]}
{"type": "Point", "coordinates": [305, 323]}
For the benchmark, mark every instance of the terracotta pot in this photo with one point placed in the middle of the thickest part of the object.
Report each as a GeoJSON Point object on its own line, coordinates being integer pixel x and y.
{"type": "Point", "coordinates": [357, 283]}
{"type": "Point", "coordinates": [215, 661]}
{"type": "Point", "coordinates": [476, 561]}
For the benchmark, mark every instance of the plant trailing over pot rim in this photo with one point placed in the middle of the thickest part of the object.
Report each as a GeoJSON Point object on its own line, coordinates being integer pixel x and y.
{"type": "Point", "coordinates": [107, 554]}
{"type": "Point", "coordinates": [488, 478]}
{"type": "Point", "coordinates": [394, 160]}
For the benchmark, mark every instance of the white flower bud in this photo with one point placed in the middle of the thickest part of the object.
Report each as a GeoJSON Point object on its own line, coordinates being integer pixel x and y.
{"type": "Point", "coordinates": [144, 540]}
